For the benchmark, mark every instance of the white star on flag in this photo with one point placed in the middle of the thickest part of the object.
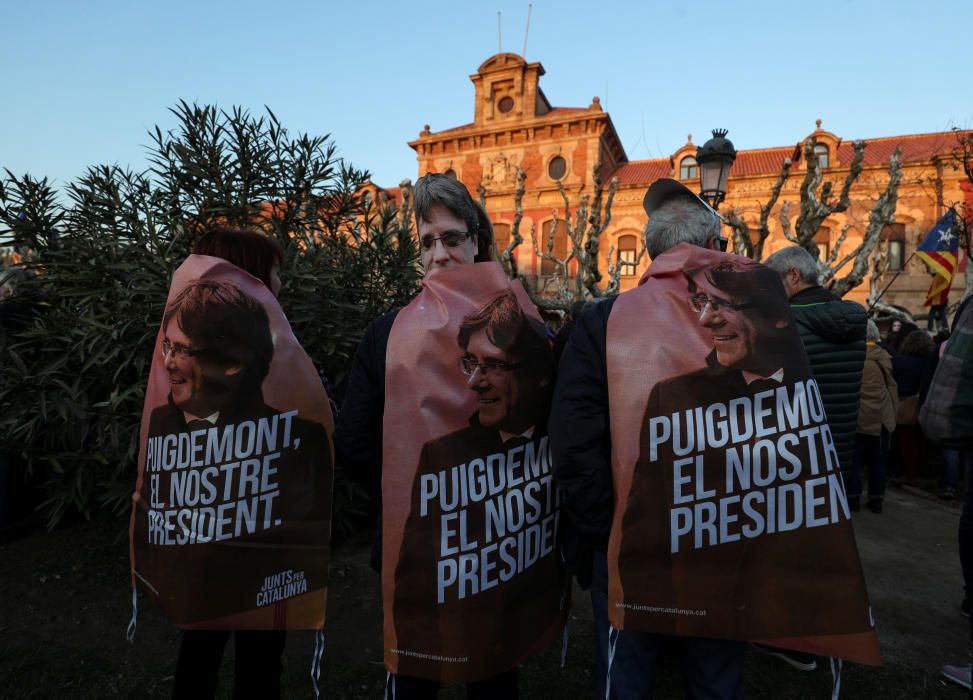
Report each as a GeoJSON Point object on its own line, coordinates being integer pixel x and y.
{"type": "Point", "coordinates": [946, 236]}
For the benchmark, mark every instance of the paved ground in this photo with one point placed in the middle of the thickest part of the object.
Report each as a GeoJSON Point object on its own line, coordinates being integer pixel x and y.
{"type": "Point", "coordinates": [909, 554]}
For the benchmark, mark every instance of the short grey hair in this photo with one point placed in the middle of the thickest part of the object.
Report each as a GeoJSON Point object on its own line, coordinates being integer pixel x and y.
{"type": "Point", "coordinates": [680, 219]}
{"type": "Point", "coordinates": [795, 258]}
{"type": "Point", "coordinates": [872, 333]}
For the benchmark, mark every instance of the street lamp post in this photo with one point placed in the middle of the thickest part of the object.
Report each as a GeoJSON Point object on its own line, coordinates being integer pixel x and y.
{"type": "Point", "coordinates": [715, 158]}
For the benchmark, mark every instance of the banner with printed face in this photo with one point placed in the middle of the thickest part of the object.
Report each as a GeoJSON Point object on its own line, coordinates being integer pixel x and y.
{"type": "Point", "coordinates": [471, 579]}
{"type": "Point", "coordinates": [231, 518]}
{"type": "Point", "coordinates": [731, 519]}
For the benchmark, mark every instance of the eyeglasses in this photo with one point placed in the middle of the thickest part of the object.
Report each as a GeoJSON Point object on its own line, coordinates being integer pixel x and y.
{"type": "Point", "coordinates": [469, 365]}
{"type": "Point", "coordinates": [450, 239]}
{"type": "Point", "coordinates": [698, 302]}
{"type": "Point", "coordinates": [179, 350]}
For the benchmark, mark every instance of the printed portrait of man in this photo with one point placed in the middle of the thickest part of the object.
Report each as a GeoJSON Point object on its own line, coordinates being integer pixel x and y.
{"type": "Point", "coordinates": [506, 361]}
{"type": "Point", "coordinates": [745, 313]}
{"type": "Point", "coordinates": [216, 351]}
{"type": "Point", "coordinates": [742, 311]}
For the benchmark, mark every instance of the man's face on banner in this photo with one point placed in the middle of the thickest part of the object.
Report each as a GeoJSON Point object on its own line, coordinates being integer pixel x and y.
{"type": "Point", "coordinates": [502, 389]}
{"type": "Point", "coordinates": [445, 240]}
{"type": "Point", "coordinates": [198, 385]}
{"type": "Point", "coordinates": [736, 337]}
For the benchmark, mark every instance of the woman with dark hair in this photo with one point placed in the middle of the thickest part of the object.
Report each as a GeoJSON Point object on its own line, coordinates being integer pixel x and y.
{"type": "Point", "coordinates": [257, 665]}
{"type": "Point", "coordinates": [897, 337]}
{"type": "Point", "coordinates": [249, 250]}
{"type": "Point", "coordinates": [910, 365]}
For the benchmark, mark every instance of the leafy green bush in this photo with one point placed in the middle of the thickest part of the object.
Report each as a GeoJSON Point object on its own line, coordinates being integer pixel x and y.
{"type": "Point", "coordinates": [72, 383]}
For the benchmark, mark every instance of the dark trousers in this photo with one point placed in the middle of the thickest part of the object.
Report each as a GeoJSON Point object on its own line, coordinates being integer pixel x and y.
{"type": "Point", "coordinates": [937, 313]}
{"type": "Point", "coordinates": [712, 669]}
{"type": "Point", "coordinates": [500, 687]}
{"type": "Point", "coordinates": [966, 535]}
{"type": "Point", "coordinates": [870, 451]}
{"type": "Point", "coordinates": [951, 461]}
{"type": "Point", "coordinates": [912, 450]}
{"type": "Point", "coordinates": [256, 670]}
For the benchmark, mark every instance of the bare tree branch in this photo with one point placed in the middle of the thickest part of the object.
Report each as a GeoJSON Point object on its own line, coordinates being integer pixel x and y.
{"type": "Point", "coordinates": [584, 226]}
{"type": "Point", "coordinates": [740, 230]}
{"type": "Point", "coordinates": [882, 214]}
{"type": "Point", "coordinates": [785, 222]}
{"type": "Point", "coordinates": [506, 256]}
{"type": "Point", "coordinates": [815, 210]}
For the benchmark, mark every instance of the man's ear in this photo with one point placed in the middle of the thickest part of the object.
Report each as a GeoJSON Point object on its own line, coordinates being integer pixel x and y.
{"type": "Point", "coordinates": [782, 323]}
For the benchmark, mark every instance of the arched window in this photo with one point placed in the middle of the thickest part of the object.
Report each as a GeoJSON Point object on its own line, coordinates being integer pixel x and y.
{"type": "Point", "coordinates": [627, 252]}
{"type": "Point", "coordinates": [560, 245]}
{"type": "Point", "coordinates": [821, 153]}
{"type": "Point", "coordinates": [557, 168]}
{"type": "Point", "coordinates": [688, 168]}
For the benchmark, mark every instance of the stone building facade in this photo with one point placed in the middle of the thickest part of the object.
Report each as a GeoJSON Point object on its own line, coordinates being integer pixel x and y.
{"type": "Point", "coordinates": [515, 126]}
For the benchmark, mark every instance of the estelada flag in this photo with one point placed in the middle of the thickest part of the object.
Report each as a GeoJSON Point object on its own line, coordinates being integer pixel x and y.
{"type": "Point", "coordinates": [731, 519]}
{"type": "Point", "coordinates": [231, 514]}
{"type": "Point", "coordinates": [939, 251]}
{"type": "Point", "coordinates": [471, 580]}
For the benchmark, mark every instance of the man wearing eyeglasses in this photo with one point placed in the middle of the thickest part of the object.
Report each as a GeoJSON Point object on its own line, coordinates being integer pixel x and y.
{"type": "Point", "coordinates": [217, 350]}
{"type": "Point", "coordinates": [506, 359]}
{"type": "Point", "coordinates": [745, 314]}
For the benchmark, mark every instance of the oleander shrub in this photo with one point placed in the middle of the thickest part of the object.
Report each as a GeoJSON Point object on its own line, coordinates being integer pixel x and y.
{"type": "Point", "coordinates": [72, 378]}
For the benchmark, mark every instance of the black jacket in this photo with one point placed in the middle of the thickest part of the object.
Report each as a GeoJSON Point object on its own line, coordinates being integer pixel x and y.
{"type": "Point", "coordinates": [358, 434]}
{"type": "Point", "coordinates": [833, 332]}
{"type": "Point", "coordinates": [581, 441]}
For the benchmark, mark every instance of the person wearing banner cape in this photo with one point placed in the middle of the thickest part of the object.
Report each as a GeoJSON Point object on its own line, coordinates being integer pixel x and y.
{"type": "Point", "coordinates": [235, 543]}
{"type": "Point", "coordinates": [692, 336]}
{"type": "Point", "coordinates": [494, 367]}
{"type": "Point", "coordinates": [507, 363]}
{"type": "Point", "coordinates": [756, 356]}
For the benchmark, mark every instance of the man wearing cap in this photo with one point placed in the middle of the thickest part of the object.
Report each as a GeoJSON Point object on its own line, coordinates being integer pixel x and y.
{"type": "Point", "coordinates": [581, 444]}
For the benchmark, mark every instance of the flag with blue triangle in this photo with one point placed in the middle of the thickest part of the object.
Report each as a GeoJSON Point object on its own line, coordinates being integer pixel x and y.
{"type": "Point", "coordinates": [939, 251]}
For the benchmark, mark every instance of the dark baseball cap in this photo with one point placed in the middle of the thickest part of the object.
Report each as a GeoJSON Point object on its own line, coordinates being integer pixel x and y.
{"type": "Point", "coordinates": [666, 188]}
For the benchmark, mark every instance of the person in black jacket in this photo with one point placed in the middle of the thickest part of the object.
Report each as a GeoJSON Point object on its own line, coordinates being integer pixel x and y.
{"type": "Point", "coordinates": [581, 444]}
{"type": "Point", "coordinates": [833, 331]}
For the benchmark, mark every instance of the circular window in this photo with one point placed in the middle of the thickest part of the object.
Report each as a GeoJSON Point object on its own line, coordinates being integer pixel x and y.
{"type": "Point", "coordinates": [450, 173]}
{"type": "Point", "coordinates": [505, 104]}
{"type": "Point", "coordinates": [557, 167]}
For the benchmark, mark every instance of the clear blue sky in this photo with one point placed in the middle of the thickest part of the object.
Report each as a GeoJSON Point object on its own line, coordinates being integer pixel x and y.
{"type": "Point", "coordinates": [84, 81]}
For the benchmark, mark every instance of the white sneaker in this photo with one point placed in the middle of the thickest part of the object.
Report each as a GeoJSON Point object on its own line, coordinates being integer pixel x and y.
{"type": "Point", "coordinates": [958, 674]}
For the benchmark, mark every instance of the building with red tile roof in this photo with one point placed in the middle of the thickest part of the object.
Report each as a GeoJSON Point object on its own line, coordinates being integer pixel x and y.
{"type": "Point", "coordinates": [516, 127]}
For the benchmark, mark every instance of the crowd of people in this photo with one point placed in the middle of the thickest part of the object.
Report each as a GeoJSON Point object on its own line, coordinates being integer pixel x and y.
{"type": "Point", "coordinates": [687, 452]}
